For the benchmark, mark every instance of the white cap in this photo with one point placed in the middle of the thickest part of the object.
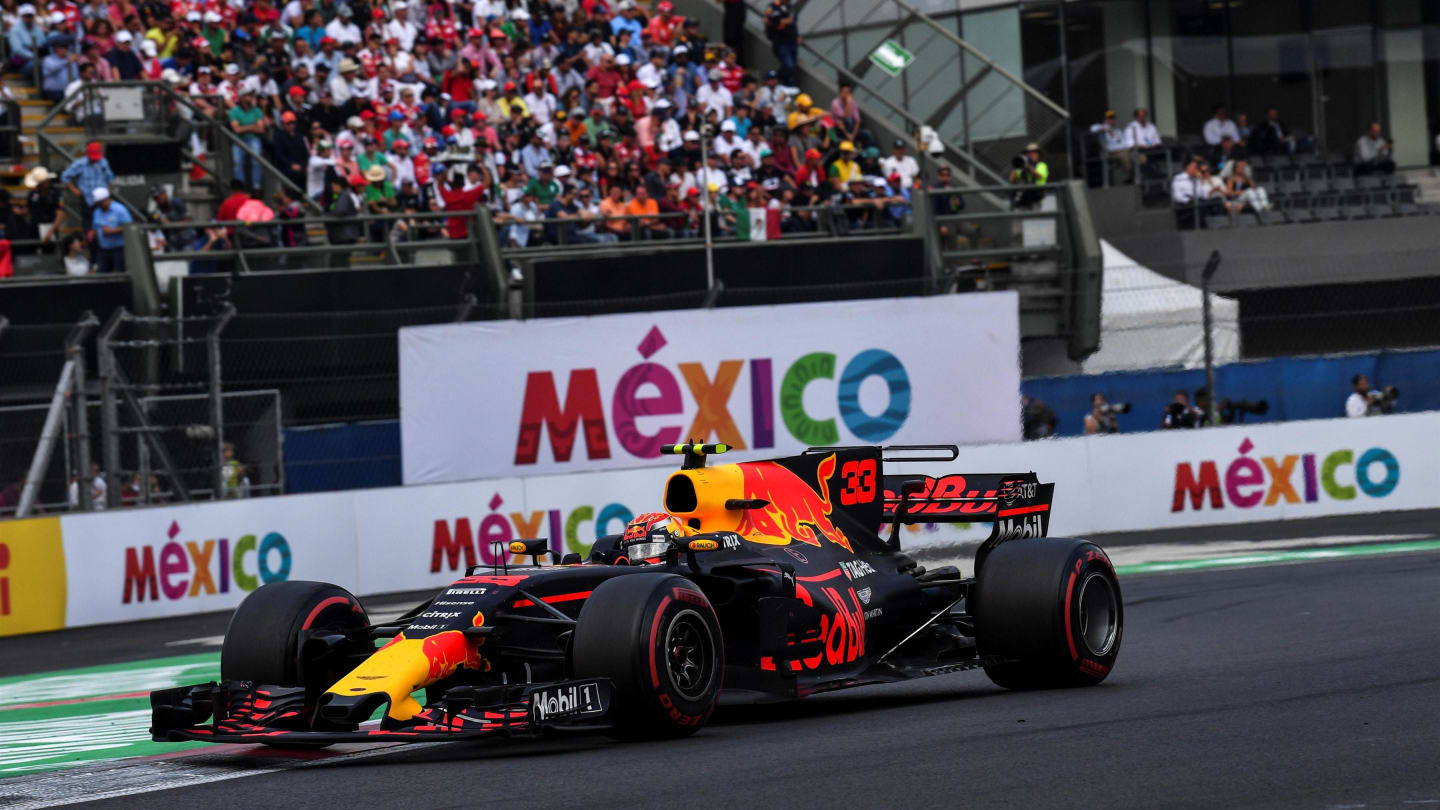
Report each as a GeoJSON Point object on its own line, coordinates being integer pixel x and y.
{"type": "Point", "coordinates": [172, 76]}
{"type": "Point", "coordinates": [232, 69]}
{"type": "Point", "coordinates": [27, 9]}
{"type": "Point", "coordinates": [682, 48]}
{"type": "Point", "coordinates": [879, 182]}
{"type": "Point", "coordinates": [663, 104]}
{"type": "Point", "coordinates": [57, 18]}
{"type": "Point", "coordinates": [149, 47]}
{"type": "Point", "coordinates": [487, 84]}
{"type": "Point", "coordinates": [213, 16]}
{"type": "Point", "coordinates": [651, 82]}
{"type": "Point", "coordinates": [623, 59]}
{"type": "Point", "coordinates": [520, 14]}
{"type": "Point", "coordinates": [728, 126]}
{"type": "Point", "coordinates": [193, 16]}
{"type": "Point", "coordinates": [562, 171]}
{"type": "Point", "coordinates": [692, 135]}
{"type": "Point", "coordinates": [124, 36]}
{"type": "Point", "coordinates": [99, 194]}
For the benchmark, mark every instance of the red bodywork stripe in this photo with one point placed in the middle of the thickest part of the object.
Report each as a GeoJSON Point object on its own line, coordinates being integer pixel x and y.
{"type": "Point", "coordinates": [1023, 510]}
{"type": "Point", "coordinates": [550, 600]}
{"type": "Point", "coordinates": [821, 577]}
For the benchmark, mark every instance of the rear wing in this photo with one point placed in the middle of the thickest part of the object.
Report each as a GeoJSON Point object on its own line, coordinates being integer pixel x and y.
{"type": "Point", "coordinates": [1017, 503]}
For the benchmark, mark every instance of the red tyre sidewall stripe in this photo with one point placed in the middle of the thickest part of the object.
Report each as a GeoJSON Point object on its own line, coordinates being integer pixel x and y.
{"type": "Point", "coordinates": [1069, 628]}
{"type": "Point", "coordinates": [654, 634]}
{"type": "Point", "coordinates": [324, 603]}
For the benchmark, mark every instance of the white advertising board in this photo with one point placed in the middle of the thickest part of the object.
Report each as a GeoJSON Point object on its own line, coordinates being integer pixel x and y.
{"type": "Point", "coordinates": [421, 537]}
{"type": "Point", "coordinates": [1245, 474]}
{"type": "Point", "coordinates": [507, 398]}
{"type": "Point", "coordinates": [123, 565]}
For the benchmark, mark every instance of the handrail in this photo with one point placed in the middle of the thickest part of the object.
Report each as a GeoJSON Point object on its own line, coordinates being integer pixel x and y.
{"type": "Point", "coordinates": [915, 123]}
{"type": "Point", "coordinates": [169, 93]}
{"type": "Point", "coordinates": [973, 51]}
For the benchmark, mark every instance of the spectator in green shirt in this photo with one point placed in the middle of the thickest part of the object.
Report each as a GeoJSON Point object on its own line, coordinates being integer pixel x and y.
{"type": "Point", "coordinates": [733, 203]}
{"type": "Point", "coordinates": [373, 156]}
{"type": "Point", "coordinates": [248, 122]}
{"type": "Point", "coordinates": [544, 188]}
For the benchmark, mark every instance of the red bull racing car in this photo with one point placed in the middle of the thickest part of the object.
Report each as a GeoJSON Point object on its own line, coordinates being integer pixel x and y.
{"type": "Point", "coordinates": [782, 578]}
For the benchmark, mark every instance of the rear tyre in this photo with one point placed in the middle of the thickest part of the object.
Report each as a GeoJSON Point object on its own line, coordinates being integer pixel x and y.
{"type": "Point", "coordinates": [1052, 607]}
{"type": "Point", "coordinates": [262, 643]}
{"type": "Point", "coordinates": [657, 639]}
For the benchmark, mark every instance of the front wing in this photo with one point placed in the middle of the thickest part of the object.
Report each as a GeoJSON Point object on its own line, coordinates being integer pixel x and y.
{"type": "Point", "coordinates": [244, 712]}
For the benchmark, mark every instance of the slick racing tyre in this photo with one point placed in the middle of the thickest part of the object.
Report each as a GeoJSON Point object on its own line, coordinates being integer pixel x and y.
{"type": "Point", "coordinates": [656, 637]}
{"type": "Point", "coordinates": [1051, 609]}
{"type": "Point", "coordinates": [262, 643]}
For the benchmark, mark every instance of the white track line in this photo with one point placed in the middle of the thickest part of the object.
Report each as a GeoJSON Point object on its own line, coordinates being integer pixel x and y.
{"type": "Point", "coordinates": [138, 776]}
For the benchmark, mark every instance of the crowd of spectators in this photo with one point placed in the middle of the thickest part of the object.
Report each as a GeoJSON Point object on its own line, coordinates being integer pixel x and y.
{"type": "Point", "coordinates": [535, 109]}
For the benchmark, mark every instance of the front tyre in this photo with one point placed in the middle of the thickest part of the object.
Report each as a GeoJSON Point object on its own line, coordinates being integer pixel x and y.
{"type": "Point", "coordinates": [263, 640]}
{"type": "Point", "coordinates": [657, 639]}
{"type": "Point", "coordinates": [1051, 608]}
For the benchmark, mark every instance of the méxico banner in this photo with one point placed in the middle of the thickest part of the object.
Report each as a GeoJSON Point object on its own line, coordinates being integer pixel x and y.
{"type": "Point", "coordinates": [557, 395]}
{"type": "Point", "coordinates": [123, 565]}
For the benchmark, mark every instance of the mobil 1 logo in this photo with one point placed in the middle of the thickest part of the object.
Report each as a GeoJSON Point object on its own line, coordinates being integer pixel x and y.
{"type": "Point", "coordinates": [1018, 528]}
{"type": "Point", "coordinates": [563, 701]}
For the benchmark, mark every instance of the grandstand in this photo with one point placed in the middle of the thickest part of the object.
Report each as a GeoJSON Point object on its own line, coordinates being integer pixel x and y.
{"type": "Point", "coordinates": [333, 172]}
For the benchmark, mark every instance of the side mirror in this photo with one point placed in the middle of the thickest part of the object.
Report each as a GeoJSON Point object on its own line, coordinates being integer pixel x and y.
{"type": "Point", "coordinates": [531, 548]}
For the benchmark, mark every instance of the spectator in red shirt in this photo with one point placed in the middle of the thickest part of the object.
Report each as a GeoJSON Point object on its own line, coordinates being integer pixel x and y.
{"type": "Point", "coordinates": [605, 76]}
{"type": "Point", "coordinates": [458, 199]}
{"type": "Point", "coordinates": [664, 25]}
{"type": "Point", "coordinates": [239, 195]}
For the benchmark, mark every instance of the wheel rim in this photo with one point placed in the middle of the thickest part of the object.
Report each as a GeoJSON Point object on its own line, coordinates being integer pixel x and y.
{"type": "Point", "coordinates": [689, 655]}
{"type": "Point", "coordinates": [1099, 613]}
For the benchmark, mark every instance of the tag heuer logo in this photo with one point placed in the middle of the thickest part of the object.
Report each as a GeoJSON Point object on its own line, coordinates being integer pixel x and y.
{"type": "Point", "coordinates": [864, 594]}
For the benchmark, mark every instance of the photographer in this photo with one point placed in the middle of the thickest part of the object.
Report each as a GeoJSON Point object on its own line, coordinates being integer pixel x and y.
{"type": "Point", "coordinates": [1037, 420]}
{"type": "Point", "coordinates": [1101, 418]}
{"type": "Point", "coordinates": [1365, 401]}
{"type": "Point", "coordinates": [1028, 169]}
{"type": "Point", "coordinates": [1181, 414]}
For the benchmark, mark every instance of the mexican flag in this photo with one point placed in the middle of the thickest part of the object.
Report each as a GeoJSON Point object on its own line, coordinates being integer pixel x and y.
{"type": "Point", "coordinates": [764, 224]}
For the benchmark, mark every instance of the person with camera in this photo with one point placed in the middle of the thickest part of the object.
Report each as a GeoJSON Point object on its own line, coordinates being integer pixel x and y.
{"type": "Point", "coordinates": [1181, 414]}
{"type": "Point", "coordinates": [1028, 169]}
{"type": "Point", "coordinates": [1101, 418]}
{"type": "Point", "coordinates": [1366, 401]}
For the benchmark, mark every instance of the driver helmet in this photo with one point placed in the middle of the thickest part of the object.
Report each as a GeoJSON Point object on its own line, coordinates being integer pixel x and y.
{"type": "Point", "coordinates": [646, 539]}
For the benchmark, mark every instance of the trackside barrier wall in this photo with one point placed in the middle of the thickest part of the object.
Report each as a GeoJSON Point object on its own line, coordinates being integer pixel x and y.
{"type": "Point", "coordinates": [172, 560]}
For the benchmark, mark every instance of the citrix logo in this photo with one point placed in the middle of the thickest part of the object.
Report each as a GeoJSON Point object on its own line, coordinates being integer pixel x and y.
{"type": "Point", "coordinates": [1294, 478]}
{"type": "Point", "coordinates": [204, 567]}
{"type": "Point", "coordinates": [583, 410]}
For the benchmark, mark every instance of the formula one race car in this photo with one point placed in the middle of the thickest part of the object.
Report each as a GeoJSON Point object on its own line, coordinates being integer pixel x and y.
{"type": "Point", "coordinates": [768, 577]}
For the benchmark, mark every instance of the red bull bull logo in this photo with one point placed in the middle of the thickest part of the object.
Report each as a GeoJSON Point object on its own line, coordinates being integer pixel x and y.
{"type": "Point", "coordinates": [795, 509]}
{"type": "Point", "coordinates": [447, 652]}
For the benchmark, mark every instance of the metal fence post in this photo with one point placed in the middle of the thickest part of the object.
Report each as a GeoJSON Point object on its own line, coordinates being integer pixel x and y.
{"type": "Point", "coordinates": [109, 410]}
{"type": "Point", "coordinates": [1208, 324]}
{"type": "Point", "coordinates": [217, 411]}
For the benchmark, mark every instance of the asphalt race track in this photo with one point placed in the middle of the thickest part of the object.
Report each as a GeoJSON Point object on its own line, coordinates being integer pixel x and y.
{"type": "Point", "coordinates": [1309, 685]}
